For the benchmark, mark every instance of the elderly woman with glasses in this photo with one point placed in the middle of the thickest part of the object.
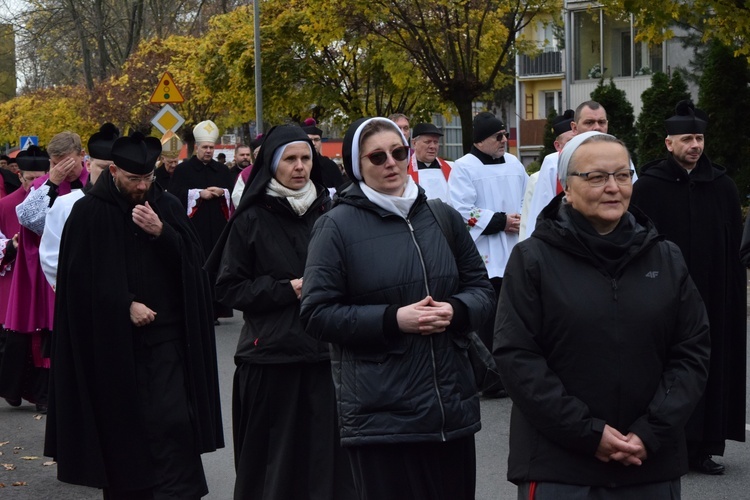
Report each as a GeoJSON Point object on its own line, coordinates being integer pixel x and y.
{"type": "Point", "coordinates": [601, 339]}
{"type": "Point", "coordinates": [384, 287]}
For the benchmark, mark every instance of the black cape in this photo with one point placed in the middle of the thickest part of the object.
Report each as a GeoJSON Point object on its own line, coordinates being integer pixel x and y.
{"type": "Point", "coordinates": [94, 430]}
{"type": "Point", "coordinates": [700, 212]}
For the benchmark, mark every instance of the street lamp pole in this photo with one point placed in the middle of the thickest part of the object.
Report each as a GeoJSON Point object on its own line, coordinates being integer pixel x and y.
{"type": "Point", "coordinates": [258, 80]}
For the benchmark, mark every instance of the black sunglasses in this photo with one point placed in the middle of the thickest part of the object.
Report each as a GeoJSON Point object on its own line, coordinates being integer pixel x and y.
{"type": "Point", "coordinates": [499, 137]}
{"type": "Point", "coordinates": [399, 153]}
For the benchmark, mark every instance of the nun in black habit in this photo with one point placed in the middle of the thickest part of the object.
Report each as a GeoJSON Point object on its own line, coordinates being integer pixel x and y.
{"type": "Point", "coordinates": [284, 419]}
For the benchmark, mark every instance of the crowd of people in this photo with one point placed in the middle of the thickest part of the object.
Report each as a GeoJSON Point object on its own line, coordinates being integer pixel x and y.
{"type": "Point", "coordinates": [615, 309]}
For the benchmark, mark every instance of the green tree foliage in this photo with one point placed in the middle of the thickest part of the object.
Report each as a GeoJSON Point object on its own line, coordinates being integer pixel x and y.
{"type": "Point", "coordinates": [725, 97]}
{"type": "Point", "coordinates": [619, 113]}
{"type": "Point", "coordinates": [657, 104]}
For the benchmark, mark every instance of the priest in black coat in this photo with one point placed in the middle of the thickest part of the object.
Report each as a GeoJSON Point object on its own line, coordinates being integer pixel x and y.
{"type": "Point", "coordinates": [204, 186]}
{"type": "Point", "coordinates": [695, 204]}
{"type": "Point", "coordinates": [134, 396]}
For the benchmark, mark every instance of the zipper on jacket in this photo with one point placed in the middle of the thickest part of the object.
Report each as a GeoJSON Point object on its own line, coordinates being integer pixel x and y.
{"type": "Point", "coordinates": [432, 345]}
{"type": "Point", "coordinates": [614, 288]}
{"type": "Point", "coordinates": [421, 257]}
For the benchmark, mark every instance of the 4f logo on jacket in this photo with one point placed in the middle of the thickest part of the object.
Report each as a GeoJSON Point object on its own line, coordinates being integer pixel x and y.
{"type": "Point", "coordinates": [652, 274]}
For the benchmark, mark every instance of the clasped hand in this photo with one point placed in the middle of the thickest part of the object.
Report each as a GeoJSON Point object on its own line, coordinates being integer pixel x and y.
{"type": "Point", "coordinates": [141, 314]}
{"type": "Point", "coordinates": [145, 218]}
{"type": "Point", "coordinates": [425, 317]}
{"type": "Point", "coordinates": [628, 450]}
{"type": "Point", "coordinates": [212, 192]}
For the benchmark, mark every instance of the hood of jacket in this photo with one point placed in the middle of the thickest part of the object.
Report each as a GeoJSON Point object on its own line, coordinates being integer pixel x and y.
{"type": "Point", "coordinates": [556, 228]}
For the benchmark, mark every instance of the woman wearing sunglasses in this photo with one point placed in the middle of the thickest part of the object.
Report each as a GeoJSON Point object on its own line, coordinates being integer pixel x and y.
{"type": "Point", "coordinates": [383, 286]}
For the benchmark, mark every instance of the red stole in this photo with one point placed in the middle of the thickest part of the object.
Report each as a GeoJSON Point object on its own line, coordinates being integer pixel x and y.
{"type": "Point", "coordinates": [414, 171]}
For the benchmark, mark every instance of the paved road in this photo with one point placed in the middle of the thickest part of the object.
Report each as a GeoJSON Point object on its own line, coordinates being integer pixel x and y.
{"type": "Point", "coordinates": [22, 432]}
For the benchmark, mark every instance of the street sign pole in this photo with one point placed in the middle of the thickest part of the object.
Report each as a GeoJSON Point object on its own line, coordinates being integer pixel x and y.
{"type": "Point", "coordinates": [258, 81]}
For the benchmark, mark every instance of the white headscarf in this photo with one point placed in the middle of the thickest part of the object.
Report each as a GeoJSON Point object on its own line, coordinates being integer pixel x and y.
{"type": "Point", "coordinates": [399, 205]}
{"type": "Point", "coordinates": [567, 152]}
{"type": "Point", "coordinates": [299, 199]}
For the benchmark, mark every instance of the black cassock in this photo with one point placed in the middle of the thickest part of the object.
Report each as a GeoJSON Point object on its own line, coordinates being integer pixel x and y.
{"type": "Point", "coordinates": [208, 216]}
{"type": "Point", "coordinates": [124, 400]}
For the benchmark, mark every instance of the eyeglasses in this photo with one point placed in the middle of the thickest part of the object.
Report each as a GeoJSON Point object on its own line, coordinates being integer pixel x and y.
{"type": "Point", "coordinates": [499, 137]}
{"type": "Point", "coordinates": [136, 180]}
{"type": "Point", "coordinates": [598, 178]}
{"type": "Point", "coordinates": [399, 153]}
{"type": "Point", "coordinates": [591, 123]}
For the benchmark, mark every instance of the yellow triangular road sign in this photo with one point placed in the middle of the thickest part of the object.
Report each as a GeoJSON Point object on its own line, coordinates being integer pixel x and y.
{"type": "Point", "coordinates": [166, 92]}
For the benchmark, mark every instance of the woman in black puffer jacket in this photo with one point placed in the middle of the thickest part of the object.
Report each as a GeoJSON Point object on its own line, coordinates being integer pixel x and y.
{"type": "Point", "coordinates": [602, 341]}
{"type": "Point", "coordinates": [383, 286]}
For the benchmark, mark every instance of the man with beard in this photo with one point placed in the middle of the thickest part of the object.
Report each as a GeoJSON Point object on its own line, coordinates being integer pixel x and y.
{"type": "Point", "coordinates": [694, 203]}
{"type": "Point", "coordinates": [171, 146]}
{"type": "Point", "coordinates": [204, 185]}
{"type": "Point", "coordinates": [243, 158]}
{"type": "Point", "coordinates": [134, 388]}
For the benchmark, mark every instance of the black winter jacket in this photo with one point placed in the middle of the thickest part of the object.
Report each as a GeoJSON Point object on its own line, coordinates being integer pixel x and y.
{"type": "Point", "coordinates": [578, 347]}
{"type": "Point", "coordinates": [265, 249]}
{"type": "Point", "coordinates": [363, 264]}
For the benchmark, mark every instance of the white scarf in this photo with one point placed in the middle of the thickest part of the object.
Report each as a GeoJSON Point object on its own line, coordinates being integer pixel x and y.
{"type": "Point", "coordinates": [300, 200]}
{"type": "Point", "coordinates": [399, 205]}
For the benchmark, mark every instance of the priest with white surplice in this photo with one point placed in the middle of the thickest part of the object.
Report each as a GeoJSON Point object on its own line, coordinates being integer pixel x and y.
{"type": "Point", "coordinates": [486, 187]}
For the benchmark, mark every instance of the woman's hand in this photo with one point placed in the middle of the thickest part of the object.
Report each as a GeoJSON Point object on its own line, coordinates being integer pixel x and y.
{"type": "Point", "coordinates": [628, 450]}
{"type": "Point", "coordinates": [425, 317]}
{"type": "Point", "coordinates": [297, 285]}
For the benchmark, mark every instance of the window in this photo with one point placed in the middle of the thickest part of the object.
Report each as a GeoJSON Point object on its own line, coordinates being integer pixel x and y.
{"type": "Point", "coordinates": [611, 51]}
{"type": "Point", "coordinates": [552, 100]}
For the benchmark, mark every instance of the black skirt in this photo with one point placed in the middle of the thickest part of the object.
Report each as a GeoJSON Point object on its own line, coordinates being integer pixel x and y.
{"type": "Point", "coordinates": [286, 440]}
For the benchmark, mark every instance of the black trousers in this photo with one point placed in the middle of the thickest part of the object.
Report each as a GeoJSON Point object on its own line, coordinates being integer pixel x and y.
{"type": "Point", "coordinates": [19, 378]}
{"type": "Point", "coordinates": [417, 471]}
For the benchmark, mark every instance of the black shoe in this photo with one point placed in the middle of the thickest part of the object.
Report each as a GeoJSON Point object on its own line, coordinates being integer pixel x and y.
{"type": "Point", "coordinates": [705, 465]}
{"type": "Point", "coordinates": [13, 402]}
{"type": "Point", "coordinates": [41, 409]}
{"type": "Point", "coordinates": [216, 322]}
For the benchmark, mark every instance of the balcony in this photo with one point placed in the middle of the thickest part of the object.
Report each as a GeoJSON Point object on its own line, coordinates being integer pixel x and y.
{"type": "Point", "coordinates": [546, 63]}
